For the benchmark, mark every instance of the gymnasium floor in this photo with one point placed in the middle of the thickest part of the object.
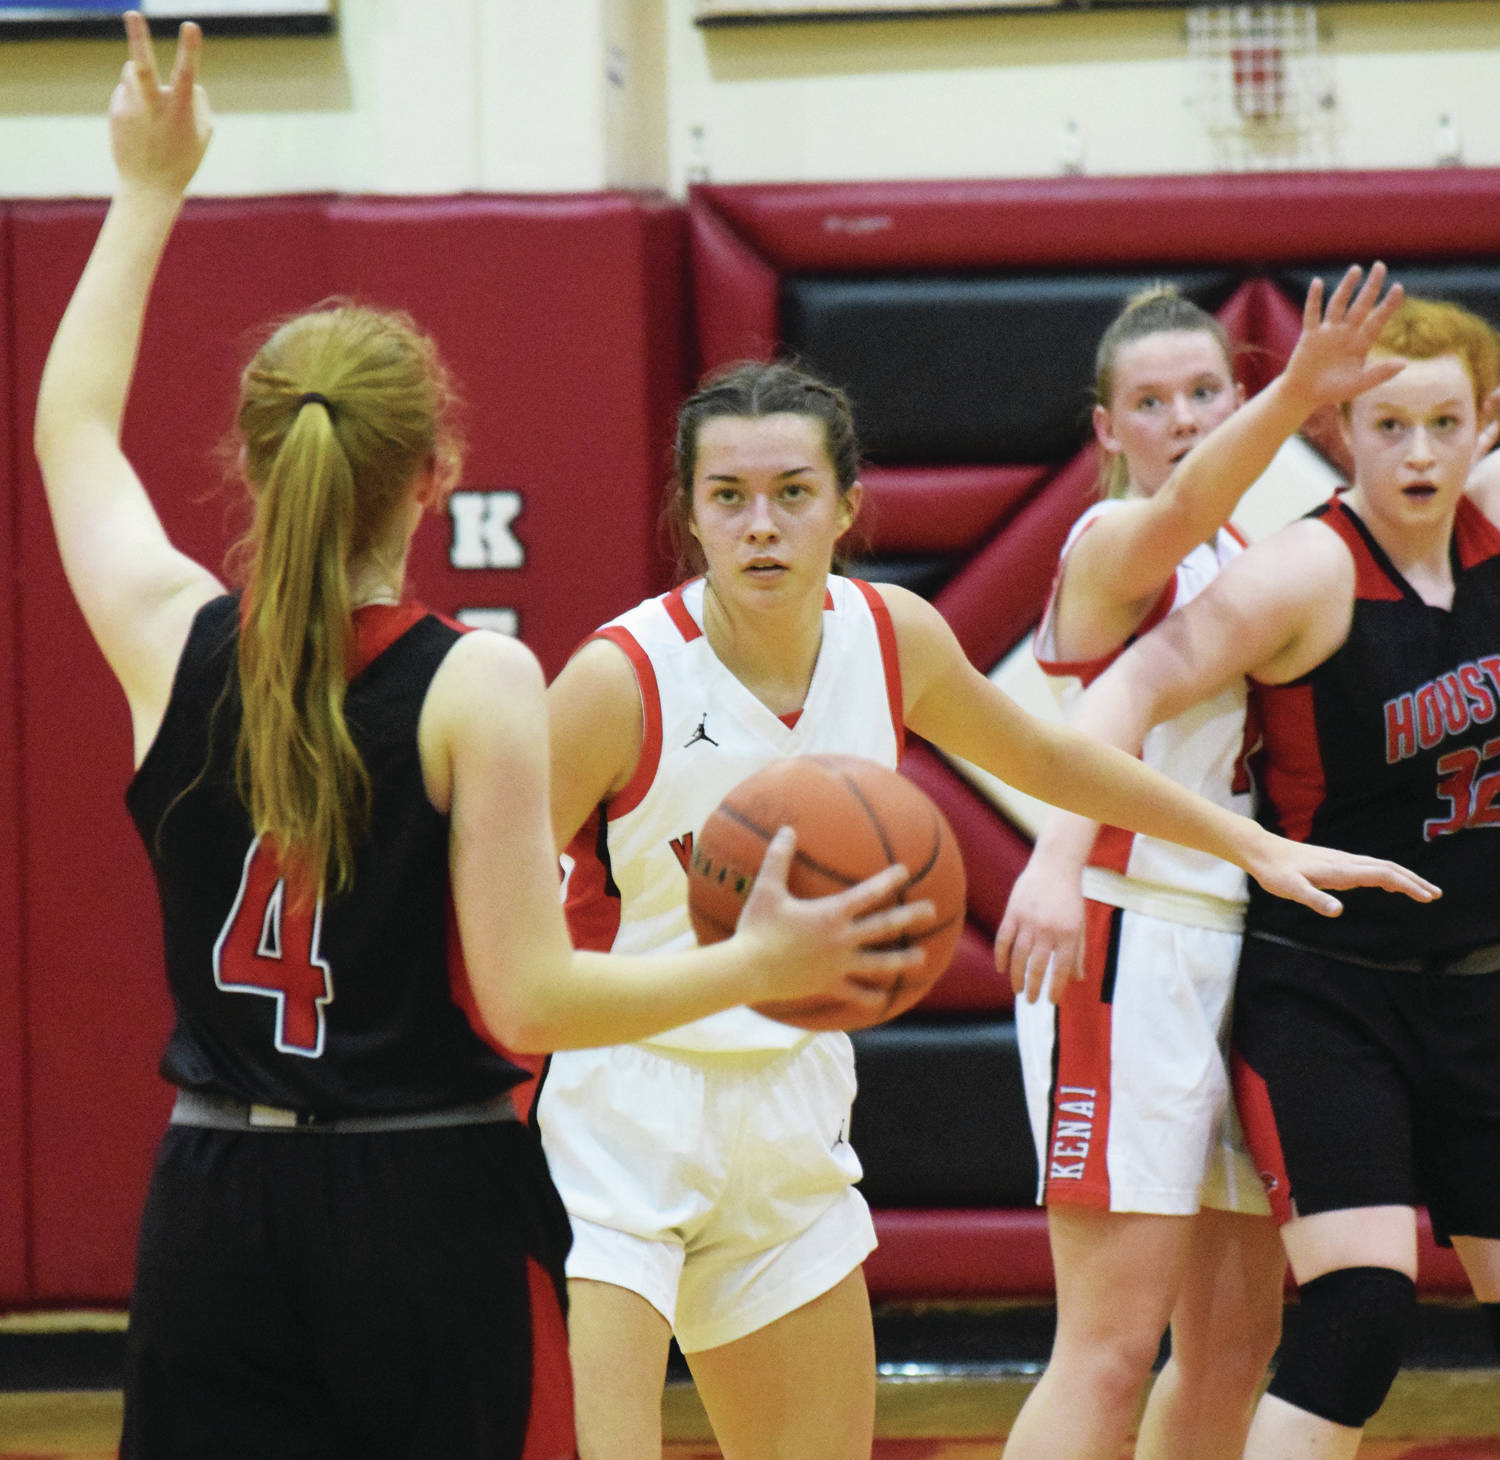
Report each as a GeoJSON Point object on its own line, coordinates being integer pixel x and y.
{"type": "Point", "coordinates": [952, 1379]}
{"type": "Point", "coordinates": [82, 1425]}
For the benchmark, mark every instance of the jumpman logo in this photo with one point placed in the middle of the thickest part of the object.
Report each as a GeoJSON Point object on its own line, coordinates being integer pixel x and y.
{"type": "Point", "coordinates": [701, 733]}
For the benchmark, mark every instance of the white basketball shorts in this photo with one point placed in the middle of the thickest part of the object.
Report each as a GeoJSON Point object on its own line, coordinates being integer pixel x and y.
{"type": "Point", "coordinates": [720, 1187]}
{"type": "Point", "coordinates": [1126, 1082]}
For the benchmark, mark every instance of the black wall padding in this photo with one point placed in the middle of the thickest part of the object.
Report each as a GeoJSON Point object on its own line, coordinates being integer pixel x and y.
{"type": "Point", "coordinates": [1476, 285]}
{"type": "Point", "coordinates": [947, 369]}
{"type": "Point", "coordinates": [924, 575]}
{"type": "Point", "coordinates": [940, 1120]}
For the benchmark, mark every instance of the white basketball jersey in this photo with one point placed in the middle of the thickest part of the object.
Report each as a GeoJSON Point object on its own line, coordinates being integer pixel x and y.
{"type": "Point", "coordinates": [1202, 749]}
{"type": "Point", "coordinates": [704, 733]}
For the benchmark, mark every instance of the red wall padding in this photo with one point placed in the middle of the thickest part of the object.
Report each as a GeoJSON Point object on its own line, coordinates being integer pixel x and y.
{"type": "Point", "coordinates": [940, 509]}
{"type": "Point", "coordinates": [734, 294]}
{"type": "Point", "coordinates": [563, 320]}
{"type": "Point", "coordinates": [13, 1064]}
{"type": "Point", "coordinates": [1248, 219]}
{"type": "Point", "coordinates": [968, 1253]}
{"type": "Point", "coordinates": [567, 322]}
{"type": "Point", "coordinates": [990, 1252]}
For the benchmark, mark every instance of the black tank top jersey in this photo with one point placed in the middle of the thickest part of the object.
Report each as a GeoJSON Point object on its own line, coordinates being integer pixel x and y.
{"type": "Point", "coordinates": [347, 1007]}
{"type": "Point", "coordinates": [1391, 747]}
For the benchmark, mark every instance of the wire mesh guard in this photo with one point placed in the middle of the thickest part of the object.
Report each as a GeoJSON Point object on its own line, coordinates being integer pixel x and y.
{"type": "Point", "coordinates": [1261, 87]}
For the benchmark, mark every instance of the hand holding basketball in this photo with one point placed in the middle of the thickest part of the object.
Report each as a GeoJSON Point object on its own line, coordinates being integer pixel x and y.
{"type": "Point", "coordinates": [853, 818]}
{"type": "Point", "coordinates": [846, 951]}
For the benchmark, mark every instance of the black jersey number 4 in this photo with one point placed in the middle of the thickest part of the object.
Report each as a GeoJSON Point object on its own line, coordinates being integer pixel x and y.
{"type": "Point", "coordinates": [270, 946]}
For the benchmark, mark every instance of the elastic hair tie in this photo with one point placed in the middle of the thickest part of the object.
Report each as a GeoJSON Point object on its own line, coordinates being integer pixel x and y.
{"type": "Point", "coordinates": [309, 396]}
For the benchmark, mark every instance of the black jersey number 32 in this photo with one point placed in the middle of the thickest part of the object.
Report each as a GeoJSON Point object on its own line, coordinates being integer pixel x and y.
{"type": "Point", "coordinates": [1471, 797]}
{"type": "Point", "coordinates": [269, 946]}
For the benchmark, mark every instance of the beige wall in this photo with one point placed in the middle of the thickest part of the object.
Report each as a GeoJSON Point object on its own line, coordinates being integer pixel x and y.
{"type": "Point", "coordinates": [994, 95]}
{"type": "Point", "coordinates": [516, 95]}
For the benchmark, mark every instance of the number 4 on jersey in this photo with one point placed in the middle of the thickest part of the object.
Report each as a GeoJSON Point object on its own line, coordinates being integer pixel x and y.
{"type": "Point", "coordinates": [269, 947]}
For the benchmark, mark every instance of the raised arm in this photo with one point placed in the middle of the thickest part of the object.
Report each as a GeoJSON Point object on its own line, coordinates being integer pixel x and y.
{"type": "Point", "coordinates": [1117, 568]}
{"type": "Point", "coordinates": [138, 593]}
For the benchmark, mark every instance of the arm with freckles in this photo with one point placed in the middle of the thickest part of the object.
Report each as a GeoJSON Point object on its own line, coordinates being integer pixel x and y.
{"type": "Point", "coordinates": [485, 753]}
{"type": "Point", "coordinates": [1120, 565]}
{"type": "Point", "coordinates": [950, 703]}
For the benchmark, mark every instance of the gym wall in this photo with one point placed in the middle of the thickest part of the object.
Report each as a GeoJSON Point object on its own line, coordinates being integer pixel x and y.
{"type": "Point", "coordinates": [956, 314]}
{"type": "Point", "coordinates": [563, 321]}
{"type": "Point", "coordinates": [962, 319]}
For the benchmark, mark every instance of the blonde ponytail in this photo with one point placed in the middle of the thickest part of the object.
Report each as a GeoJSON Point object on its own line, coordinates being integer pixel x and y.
{"type": "Point", "coordinates": [341, 410]}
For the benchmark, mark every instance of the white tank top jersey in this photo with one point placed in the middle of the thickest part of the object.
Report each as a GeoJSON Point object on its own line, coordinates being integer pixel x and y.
{"type": "Point", "coordinates": [704, 733]}
{"type": "Point", "coordinates": [1202, 749]}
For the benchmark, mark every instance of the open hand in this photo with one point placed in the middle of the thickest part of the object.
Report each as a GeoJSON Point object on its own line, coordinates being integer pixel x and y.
{"type": "Point", "coordinates": [158, 134]}
{"type": "Point", "coordinates": [1328, 365]}
{"type": "Point", "coordinates": [1301, 871]}
{"type": "Point", "coordinates": [1042, 929]}
{"type": "Point", "coordinates": [825, 945]}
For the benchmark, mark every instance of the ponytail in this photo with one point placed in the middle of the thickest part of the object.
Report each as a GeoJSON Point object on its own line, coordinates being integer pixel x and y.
{"type": "Point", "coordinates": [341, 410]}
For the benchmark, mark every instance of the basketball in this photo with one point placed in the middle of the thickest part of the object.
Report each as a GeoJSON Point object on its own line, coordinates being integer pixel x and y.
{"type": "Point", "coordinates": [853, 817]}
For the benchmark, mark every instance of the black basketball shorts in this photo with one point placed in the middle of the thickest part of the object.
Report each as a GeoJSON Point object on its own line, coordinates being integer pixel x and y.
{"type": "Point", "coordinates": [373, 1295]}
{"type": "Point", "coordinates": [1359, 1086]}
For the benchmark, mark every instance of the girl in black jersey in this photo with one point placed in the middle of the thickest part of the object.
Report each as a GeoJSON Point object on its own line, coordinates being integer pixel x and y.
{"type": "Point", "coordinates": [351, 1247]}
{"type": "Point", "coordinates": [1367, 1047]}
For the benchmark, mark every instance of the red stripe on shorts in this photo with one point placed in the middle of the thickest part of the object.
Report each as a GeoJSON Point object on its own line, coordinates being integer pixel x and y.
{"type": "Point", "coordinates": [1252, 1099]}
{"type": "Point", "coordinates": [549, 1427]}
{"type": "Point", "coordinates": [1078, 1138]}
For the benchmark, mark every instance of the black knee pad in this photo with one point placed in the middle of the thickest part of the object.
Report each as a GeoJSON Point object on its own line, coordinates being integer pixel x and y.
{"type": "Point", "coordinates": [1491, 1313]}
{"type": "Point", "coordinates": [1344, 1346]}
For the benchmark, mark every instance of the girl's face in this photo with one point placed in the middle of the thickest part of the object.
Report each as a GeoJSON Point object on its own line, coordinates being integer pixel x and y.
{"type": "Point", "coordinates": [1169, 391]}
{"type": "Point", "coordinates": [766, 508]}
{"type": "Point", "coordinates": [1413, 440]}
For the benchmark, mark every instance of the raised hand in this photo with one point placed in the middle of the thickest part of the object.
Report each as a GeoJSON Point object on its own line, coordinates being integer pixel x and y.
{"type": "Point", "coordinates": [827, 944]}
{"type": "Point", "coordinates": [158, 133]}
{"type": "Point", "coordinates": [1329, 364]}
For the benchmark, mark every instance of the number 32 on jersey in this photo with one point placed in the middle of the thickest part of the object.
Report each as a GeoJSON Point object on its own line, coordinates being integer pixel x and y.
{"type": "Point", "coordinates": [268, 946]}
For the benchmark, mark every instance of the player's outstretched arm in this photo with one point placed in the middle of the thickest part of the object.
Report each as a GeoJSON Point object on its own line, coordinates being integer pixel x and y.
{"type": "Point", "coordinates": [136, 592]}
{"type": "Point", "coordinates": [1272, 615]}
{"type": "Point", "coordinates": [1265, 615]}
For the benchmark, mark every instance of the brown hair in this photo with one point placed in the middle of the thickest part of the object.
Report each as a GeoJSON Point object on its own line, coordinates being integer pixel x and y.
{"type": "Point", "coordinates": [340, 409]}
{"type": "Point", "coordinates": [749, 389]}
{"type": "Point", "coordinates": [1157, 309]}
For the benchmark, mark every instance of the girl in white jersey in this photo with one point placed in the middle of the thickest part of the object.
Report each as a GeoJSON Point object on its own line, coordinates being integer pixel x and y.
{"type": "Point", "coordinates": [707, 1170]}
{"type": "Point", "coordinates": [1155, 1211]}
